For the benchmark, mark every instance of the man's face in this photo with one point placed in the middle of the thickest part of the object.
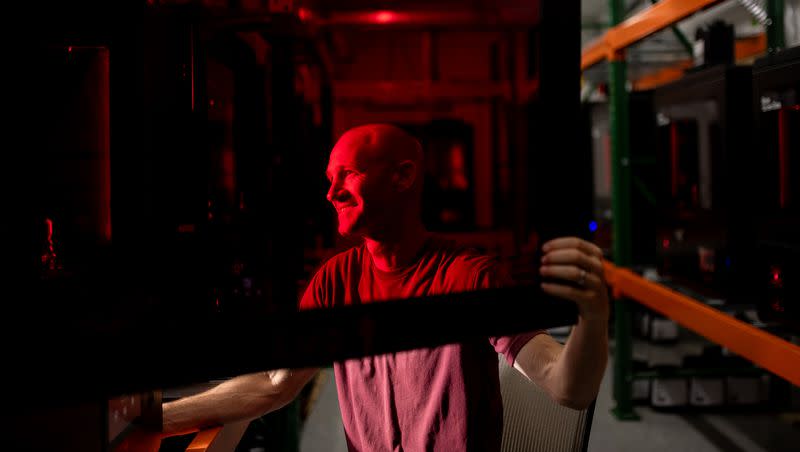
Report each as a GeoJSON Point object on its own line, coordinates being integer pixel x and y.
{"type": "Point", "coordinates": [360, 189]}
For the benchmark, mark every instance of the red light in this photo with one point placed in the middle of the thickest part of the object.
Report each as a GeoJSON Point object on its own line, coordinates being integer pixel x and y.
{"type": "Point", "coordinates": [304, 14]}
{"type": "Point", "coordinates": [49, 223]}
{"type": "Point", "coordinates": [49, 257]}
{"type": "Point", "coordinates": [69, 49]}
{"type": "Point", "coordinates": [665, 243]}
{"type": "Point", "coordinates": [777, 277]}
{"type": "Point", "coordinates": [384, 17]}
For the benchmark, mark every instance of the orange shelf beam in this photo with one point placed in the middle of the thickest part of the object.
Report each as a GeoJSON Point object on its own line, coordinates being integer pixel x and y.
{"type": "Point", "coordinates": [147, 441]}
{"type": "Point", "coordinates": [203, 440]}
{"type": "Point", "coordinates": [662, 76]}
{"type": "Point", "coordinates": [766, 350]}
{"type": "Point", "coordinates": [649, 21]}
{"type": "Point", "coordinates": [140, 441]}
{"type": "Point", "coordinates": [595, 52]}
{"type": "Point", "coordinates": [749, 47]}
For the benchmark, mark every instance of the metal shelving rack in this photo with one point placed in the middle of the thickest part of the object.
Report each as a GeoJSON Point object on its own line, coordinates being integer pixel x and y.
{"type": "Point", "coordinates": [770, 352]}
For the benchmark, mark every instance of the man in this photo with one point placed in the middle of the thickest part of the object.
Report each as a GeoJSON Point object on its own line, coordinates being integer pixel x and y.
{"type": "Point", "coordinates": [444, 398]}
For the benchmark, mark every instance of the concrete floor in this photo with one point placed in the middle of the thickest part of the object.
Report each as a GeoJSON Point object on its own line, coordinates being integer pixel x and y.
{"type": "Point", "coordinates": [323, 429]}
{"type": "Point", "coordinates": [668, 432]}
{"type": "Point", "coordinates": [655, 432]}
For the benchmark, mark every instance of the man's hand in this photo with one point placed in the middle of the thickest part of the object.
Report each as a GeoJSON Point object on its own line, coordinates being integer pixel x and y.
{"type": "Point", "coordinates": [571, 373]}
{"type": "Point", "coordinates": [579, 262]}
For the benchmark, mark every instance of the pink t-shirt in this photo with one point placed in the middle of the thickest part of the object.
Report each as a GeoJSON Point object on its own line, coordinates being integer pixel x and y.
{"type": "Point", "coordinates": [445, 398]}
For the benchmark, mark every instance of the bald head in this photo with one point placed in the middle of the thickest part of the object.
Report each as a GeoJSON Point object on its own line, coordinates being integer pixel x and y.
{"type": "Point", "coordinates": [375, 172]}
{"type": "Point", "coordinates": [383, 143]}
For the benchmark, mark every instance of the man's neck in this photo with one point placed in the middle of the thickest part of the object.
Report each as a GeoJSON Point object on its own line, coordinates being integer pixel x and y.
{"type": "Point", "coordinates": [397, 250]}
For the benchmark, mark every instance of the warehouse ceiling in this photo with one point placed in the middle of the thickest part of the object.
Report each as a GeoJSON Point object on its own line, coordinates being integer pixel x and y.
{"type": "Point", "coordinates": [661, 50]}
{"type": "Point", "coordinates": [664, 49]}
{"type": "Point", "coordinates": [655, 52]}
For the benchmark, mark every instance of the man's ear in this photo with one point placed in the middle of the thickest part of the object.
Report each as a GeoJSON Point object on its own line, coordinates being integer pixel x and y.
{"type": "Point", "coordinates": [404, 175]}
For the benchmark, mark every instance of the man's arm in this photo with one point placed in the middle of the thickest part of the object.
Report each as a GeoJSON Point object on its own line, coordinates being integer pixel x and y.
{"type": "Point", "coordinates": [571, 374]}
{"type": "Point", "coordinates": [243, 397]}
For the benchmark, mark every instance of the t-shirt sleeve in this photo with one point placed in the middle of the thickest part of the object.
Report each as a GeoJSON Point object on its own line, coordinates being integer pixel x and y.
{"type": "Point", "coordinates": [491, 276]}
{"type": "Point", "coordinates": [313, 295]}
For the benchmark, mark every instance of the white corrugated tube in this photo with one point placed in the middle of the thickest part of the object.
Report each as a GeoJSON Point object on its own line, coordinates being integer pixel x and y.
{"type": "Point", "coordinates": [792, 23]}
{"type": "Point", "coordinates": [756, 8]}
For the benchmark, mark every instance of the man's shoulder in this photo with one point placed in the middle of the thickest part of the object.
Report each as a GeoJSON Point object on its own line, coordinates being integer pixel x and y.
{"type": "Point", "coordinates": [344, 259]}
{"type": "Point", "coordinates": [332, 276]}
{"type": "Point", "coordinates": [464, 259]}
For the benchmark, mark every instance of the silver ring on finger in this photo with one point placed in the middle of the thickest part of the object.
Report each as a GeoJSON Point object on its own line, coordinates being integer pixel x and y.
{"type": "Point", "coordinates": [582, 278]}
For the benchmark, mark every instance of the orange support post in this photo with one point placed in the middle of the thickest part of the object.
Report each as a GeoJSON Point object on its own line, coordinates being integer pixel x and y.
{"type": "Point", "coordinates": [766, 350]}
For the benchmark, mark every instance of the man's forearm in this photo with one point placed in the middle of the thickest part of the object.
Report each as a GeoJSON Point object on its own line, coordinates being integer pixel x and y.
{"type": "Point", "coordinates": [573, 373]}
{"type": "Point", "coordinates": [581, 364]}
{"type": "Point", "coordinates": [570, 373]}
{"type": "Point", "coordinates": [243, 397]}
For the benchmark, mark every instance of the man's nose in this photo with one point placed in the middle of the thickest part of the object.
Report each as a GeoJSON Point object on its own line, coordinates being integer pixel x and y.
{"type": "Point", "coordinates": [334, 189]}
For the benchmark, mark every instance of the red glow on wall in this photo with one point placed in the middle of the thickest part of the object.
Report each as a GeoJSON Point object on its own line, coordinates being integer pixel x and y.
{"type": "Point", "coordinates": [385, 17]}
{"type": "Point", "coordinates": [186, 228]}
{"type": "Point", "coordinates": [105, 154]}
{"type": "Point", "coordinates": [228, 167]}
{"type": "Point", "coordinates": [304, 14]}
{"type": "Point", "coordinates": [665, 243]}
{"type": "Point", "coordinates": [458, 168]}
{"type": "Point", "coordinates": [777, 277]}
{"type": "Point", "coordinates": [191, 69]}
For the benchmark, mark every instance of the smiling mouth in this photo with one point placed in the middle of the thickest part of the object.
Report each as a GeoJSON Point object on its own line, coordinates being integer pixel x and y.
{"type": "Point", "coordinates": [343, 208]}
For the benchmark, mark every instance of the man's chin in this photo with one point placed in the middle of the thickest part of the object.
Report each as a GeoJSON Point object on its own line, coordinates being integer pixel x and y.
{"type": "Point", "coordinates": [347, 232]}
{"type": "Point", "coordinates": [351, 231]}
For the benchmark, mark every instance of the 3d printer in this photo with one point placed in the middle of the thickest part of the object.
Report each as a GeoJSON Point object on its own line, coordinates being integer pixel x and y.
{"type": "Point", "coordinates": [776, 273]}
{"type": "Point", "coordinates": [703, 143]}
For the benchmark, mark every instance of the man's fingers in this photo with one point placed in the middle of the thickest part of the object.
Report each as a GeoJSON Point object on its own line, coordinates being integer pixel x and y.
{"type": "Point", "coordinates": [572, 256]}
{"type": "Point", "coordinates": [571, 273]}
{"type": "Point", "coordinates": [573, 242]}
